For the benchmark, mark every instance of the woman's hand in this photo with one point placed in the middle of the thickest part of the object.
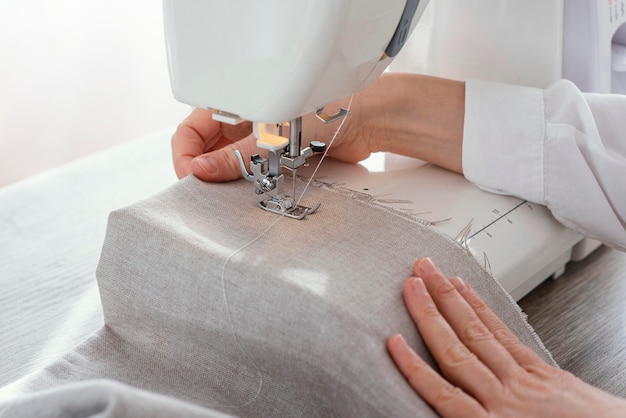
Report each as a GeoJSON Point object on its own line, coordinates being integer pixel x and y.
{"type": "Point", "coordinates": [486, 370]}
{"type": "Point", "coordinates": [408, 114]}
{"type": "Point", "coordinates": [206, 147]}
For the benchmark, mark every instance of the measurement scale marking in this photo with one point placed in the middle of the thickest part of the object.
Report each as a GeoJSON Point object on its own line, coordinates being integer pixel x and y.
{"type": "Point", "coordinates": [498, 218]}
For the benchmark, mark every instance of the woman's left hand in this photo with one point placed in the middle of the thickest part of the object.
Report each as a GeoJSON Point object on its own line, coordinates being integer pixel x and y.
{"type": "Point", "coordinates": [487, 371]}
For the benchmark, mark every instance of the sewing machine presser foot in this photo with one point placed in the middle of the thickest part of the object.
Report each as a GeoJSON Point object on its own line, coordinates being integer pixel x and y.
{"type": "Point", "coordinates": [294, 212]}
{"type": "Point", "coordinates": [272, 184]}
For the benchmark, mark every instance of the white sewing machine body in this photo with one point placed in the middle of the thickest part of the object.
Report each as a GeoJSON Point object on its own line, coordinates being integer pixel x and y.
{"type": "Point", "coordinates": [275, 60]}
{"type": "Point", "coordinates": [280, 64]}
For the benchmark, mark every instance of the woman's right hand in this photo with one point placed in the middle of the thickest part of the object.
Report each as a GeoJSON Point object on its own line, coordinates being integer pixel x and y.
{"type": "Point", "coordinates": [412, 115]}
{"type": "Point", "coordinates": [205, 148]}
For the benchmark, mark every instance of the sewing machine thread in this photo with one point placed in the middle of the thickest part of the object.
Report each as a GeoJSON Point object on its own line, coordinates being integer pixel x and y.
{"type": "Point", "coordinates": [252, 242]}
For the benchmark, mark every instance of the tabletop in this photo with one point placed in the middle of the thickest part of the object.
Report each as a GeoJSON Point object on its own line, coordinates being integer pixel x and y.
{"type": "Point", "coordinates": [581, 318]}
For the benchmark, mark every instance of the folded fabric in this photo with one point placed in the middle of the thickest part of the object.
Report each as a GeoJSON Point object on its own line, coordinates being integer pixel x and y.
{"type": "Point", "coordinates": [211, 301]}
{"type": "Point", "coordinates": [101, 398]}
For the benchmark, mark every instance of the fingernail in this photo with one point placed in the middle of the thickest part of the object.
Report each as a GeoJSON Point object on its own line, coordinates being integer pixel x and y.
{"type": "Point", "coordinates": [418, 285]}
{"type": "Point", "coordinates": [207, 164]}
{"type": "Point", "coordinates": [397, 339]}
{"type": "Point", "coordinates": [428, 267]}
{"type": "Point", "coordinates": [458, 283]}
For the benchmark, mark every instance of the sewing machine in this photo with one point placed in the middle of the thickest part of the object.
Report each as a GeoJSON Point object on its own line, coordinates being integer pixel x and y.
{"type": "Point", "coordinates": [271, 62]}
{"type": "Point", "coordinates": [278, 65]}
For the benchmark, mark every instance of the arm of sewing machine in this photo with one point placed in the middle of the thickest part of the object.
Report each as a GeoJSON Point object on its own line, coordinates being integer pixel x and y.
{"type": "Point", "coordinates": [272, 62]}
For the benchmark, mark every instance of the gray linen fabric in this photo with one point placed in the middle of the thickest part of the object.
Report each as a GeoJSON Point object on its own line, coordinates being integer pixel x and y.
{"type": "Point", "coordinates": [212, 301]}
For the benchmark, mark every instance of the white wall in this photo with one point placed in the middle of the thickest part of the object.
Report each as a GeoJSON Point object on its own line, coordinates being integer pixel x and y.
{"type": "Point", "coordinates": [77, 76]}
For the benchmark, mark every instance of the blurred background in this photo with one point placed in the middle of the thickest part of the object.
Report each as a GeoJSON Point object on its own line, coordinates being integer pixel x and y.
{"type": "Point", "coordinates": [77, 77]}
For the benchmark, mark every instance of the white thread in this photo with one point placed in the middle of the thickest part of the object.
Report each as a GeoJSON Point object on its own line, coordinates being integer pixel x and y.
{"type": "Point", "coordinates": [229, 314]}
{"type": "Point", "coordinates": [243, 247]}
{"type": "Point", "coordinates": [330, 144]}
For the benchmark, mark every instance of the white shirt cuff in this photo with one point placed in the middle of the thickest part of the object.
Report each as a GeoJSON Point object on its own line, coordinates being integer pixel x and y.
{"type": "Point", "coordinates": [503, 139]}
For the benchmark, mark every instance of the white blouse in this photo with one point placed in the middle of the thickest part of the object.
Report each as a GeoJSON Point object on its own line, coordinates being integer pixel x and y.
{"type": "Point", "coordinates": [557, 147]}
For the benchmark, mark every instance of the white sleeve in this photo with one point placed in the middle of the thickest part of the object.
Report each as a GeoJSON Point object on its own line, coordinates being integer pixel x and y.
{"type": "Point", "coordinates": [557, 147]}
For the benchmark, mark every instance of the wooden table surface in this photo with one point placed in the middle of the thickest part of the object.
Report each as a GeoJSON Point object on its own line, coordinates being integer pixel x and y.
{"type": "Point", "coordinates": [581, 318]}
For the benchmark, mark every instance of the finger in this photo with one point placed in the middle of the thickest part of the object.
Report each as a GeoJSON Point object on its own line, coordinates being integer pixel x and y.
{"type": "Point", "coordinates": [222, 164]}
{"type": "Point", "coordinates": [236, 132]}
{"type": "Point", "coordinates": [522, 354]}
{"type": "Point", "coordinates": [467, 325]}
{"type": "Point", "coordinates": [190, 139]}
{"type": "Point", "coordinates": [446, 399]}
{"type": "Point", "coordinates": [458, 364]}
